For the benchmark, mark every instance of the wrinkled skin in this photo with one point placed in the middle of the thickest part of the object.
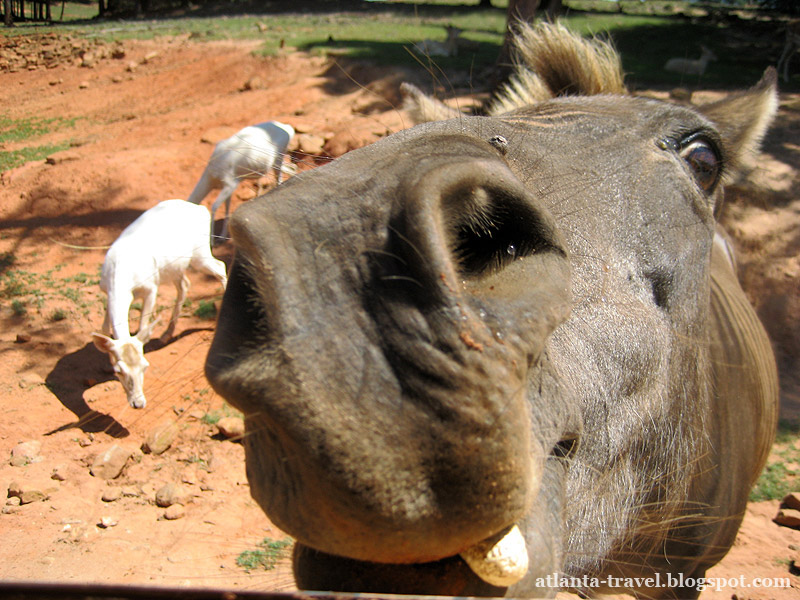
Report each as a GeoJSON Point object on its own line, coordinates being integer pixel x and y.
{"type": "Point", "coordinates": [488, 321]}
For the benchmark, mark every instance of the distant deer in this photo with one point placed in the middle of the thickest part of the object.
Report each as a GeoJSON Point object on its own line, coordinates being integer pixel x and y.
{"type": "Point", "coordinates": [449, 47]}
{"type": "Point", "coordinates": [691, 66]}
{"type": "Point", "coordinates": [791, 46]}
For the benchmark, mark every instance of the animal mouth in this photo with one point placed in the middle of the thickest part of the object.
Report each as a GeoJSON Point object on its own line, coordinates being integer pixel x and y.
{"type": "Point", "coordinates": [501, 559]}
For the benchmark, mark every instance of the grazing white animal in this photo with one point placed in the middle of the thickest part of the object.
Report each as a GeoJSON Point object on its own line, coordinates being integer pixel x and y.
{"type": "Point", "coordinates": [449, 47]}
{"type": "Point", "coordinates": [691, 66]}
{"type": "Point", "coordinates": [248, 154]}
{"type": "Point", "coordinates": [158, 247]}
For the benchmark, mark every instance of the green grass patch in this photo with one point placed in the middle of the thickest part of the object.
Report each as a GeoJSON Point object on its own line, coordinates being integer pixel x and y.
{"type": "Point", "coordinates": [26, 290]}
{"type": "Point", "coordinates": [212, 417]}
{"type": "Point", "coordinates": [206, 309]}
{"type": "Point", "coordinates": [23, 130]}
{"type": "Point", "coordinates": [782, 473]}
{"type": "Point", "coordinates": [265, 556]}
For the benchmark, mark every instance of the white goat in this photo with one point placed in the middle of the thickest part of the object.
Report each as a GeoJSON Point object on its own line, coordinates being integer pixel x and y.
{"type": "Point", "coordinates": [158, 247]}
{"type": "Point", "coordinates": [691, 66]}
{"type": "Point", "coordinates": [248, 154]}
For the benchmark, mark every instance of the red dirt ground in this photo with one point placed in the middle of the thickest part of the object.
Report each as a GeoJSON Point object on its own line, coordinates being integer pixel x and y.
{"type": "Point", "coordinates": [138, 140]}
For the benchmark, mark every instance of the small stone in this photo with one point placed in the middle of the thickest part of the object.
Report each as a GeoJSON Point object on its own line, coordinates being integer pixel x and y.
{"type": "Point", "coordinates": [231, 427]}
{"type": "Point", "coordinates": [111, 494]}
{"type": "Point", "coordinates": [83, 85]}
{"type": "Point", "coordinates": [160, 438]}
{"type": "Point", "coordinates": [131, 66]}
{"type": "Point", "coordinates": [23, 338]}
{"type": "Point", "coordinates": [109, 464]}
{"type": "Point", "coordinates": [174, 511]}
{"type": "Point", "coordinates": [13, 501]}
{"type": "Point", "coordinates": [149, 56]}
{"type": "Point", "coordinates": [131, 492]}
{"type": "Point", "coordinates": [792, 500]}
{"type": "Point", "coordinates": [59, 473]}
{"type": "Point", "coordinates": [189, 476]}
{"type": "Point", "coordinates": [170, 494]}
{"type": "Point", "coordinates": [254, 83]}
{"type": "Point", "coordinates": [106, 522]}
{"type": "Point", "coordinates": [32, 491]}
{"type": "Point", "coordinates": [30, 379]}
{"type": "Point", "coordinates": [310, 144]}
{"type": "Point", "coordinates": [25, 453]}
{"type": "Point", "coordinates": [788, 517]}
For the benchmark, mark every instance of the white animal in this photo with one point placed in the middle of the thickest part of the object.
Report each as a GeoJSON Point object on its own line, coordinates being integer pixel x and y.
{"type": "Point", "coordinates": [248, 154]}
{"type": "Point", "coordinates": [449, 47]}
{"type": "Point", "coordinates": [158, 247]}
{"type": "Point", "coordinates": [691, 66]}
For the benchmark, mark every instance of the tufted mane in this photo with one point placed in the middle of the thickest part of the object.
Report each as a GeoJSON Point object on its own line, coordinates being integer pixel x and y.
{"type": "Point", "coordinates": [550, 60]}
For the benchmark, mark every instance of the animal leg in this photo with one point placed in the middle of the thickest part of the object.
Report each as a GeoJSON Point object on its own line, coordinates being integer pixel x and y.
{"type": "Point", "coordinates": [224, 196]}
{"type": "Point", "coordinates": [212, 266]}
{"type": "Point", "coordinates": [182, 287]}
{"type": "Point", "coordinates": [148, 307]}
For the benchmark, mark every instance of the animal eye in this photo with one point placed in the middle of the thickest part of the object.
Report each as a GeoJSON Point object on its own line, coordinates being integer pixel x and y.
{"type": "Point", "coordinates": [703, 159]}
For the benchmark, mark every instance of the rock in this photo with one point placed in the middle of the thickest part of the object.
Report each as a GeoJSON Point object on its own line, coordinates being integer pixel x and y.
{"type": "Point", "coordinates": [189, 476]}
{"type": "Point", "coordinates": [792, 500]}
{"type": "Point", "coordinates": [31, 490]}
{"type": "Point", "coordinates": [111, 494]}
{"type": "Point", "coordinates": [170, 494]}
{"type": "Point", "coordinates": [106, 522]}
{"type": "Point", "coordinates": [131, 492]}
{"type": "Point", "coordinates": [254, 83]}
{"type": "Point", "coordinates": [25, 453]}
{"type": "Point", "coordinates": [109, 464]}
{"type": "Point", "coordinates": [175, 511]}
{"type": "Point", "coordinates": [23, 338]}
{"type": "Point", "coordinates": [13, 501]}
{"type": "Point", "coordinates": [788, 517]}
{"type": "Point", "coordinates": [160, 438]}
{"type": "Point", "coordinates": [62, 157]}
{"type": "Point", "coordinates": [59, 473]}
{"type": "Point", "coordinates": [309, 143]}
{"type": "Point", "coordinates": [231, 427]}
{"type": "Point", "coordinates": [149, 56]}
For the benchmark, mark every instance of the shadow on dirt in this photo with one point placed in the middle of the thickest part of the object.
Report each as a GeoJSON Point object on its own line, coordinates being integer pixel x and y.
{"type": "Point", "coordinates": [68, 380]}
{"type": "Point", "coordinates": [76, 372]}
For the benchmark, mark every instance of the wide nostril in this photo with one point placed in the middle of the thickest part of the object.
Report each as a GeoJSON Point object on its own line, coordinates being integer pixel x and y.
{"type": "Point", "coordinates": [566, 448]}
{"type": "Point", "coordinates": [474, 217]}
{"type": "Point", "coordinates": [489, 235]}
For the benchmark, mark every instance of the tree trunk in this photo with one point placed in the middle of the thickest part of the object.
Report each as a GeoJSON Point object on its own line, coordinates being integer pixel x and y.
{"type": "Point", "coordinates": [518, 11]}
{"type": "Point", "coordinates": [8, 13]}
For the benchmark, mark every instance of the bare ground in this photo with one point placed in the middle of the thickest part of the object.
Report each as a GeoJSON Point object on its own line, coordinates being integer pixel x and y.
{"type": "Point", "coordinates": [138, 139]}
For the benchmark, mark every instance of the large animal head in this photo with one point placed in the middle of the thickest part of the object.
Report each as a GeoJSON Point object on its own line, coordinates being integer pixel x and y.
{"type": "Point", "coordinates": [493, 321]}
{"type": "Point", "coordinates": [128, 361]}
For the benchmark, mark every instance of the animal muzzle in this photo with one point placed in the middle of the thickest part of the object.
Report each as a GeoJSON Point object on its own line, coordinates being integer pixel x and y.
{"type": "Point", "coordinates": [379, 331]}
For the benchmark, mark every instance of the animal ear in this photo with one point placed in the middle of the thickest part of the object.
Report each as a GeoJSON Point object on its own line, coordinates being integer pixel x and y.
{"type": "Point", "coordinates": [744, 118]}
{"type": "Point", "coordinates": [103, 343]}
{"type": "Point", "coordinates": [146, 331]}
{"type": "Point", "coordinates": [422, 108]}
